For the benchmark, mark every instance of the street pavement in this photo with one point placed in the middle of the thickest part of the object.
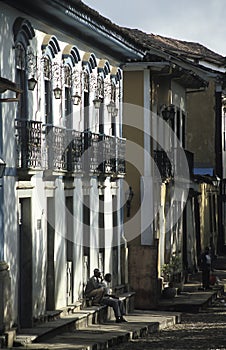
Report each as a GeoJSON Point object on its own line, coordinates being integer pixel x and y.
{"type": "Point", "coordinates": [204, 330]}
{"type": "Point", "coordinates": [83, 329]}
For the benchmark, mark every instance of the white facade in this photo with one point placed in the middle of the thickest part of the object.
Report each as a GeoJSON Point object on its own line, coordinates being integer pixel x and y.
{"type": "Point", "coordinates": [61, 216]}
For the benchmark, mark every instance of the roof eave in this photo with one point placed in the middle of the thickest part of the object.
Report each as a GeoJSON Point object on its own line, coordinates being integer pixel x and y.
{"type": "Point", "coordinates": [68, 19]}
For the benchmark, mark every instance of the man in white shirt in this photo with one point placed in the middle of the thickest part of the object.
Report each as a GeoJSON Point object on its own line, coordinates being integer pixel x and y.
{"type": "Point", "coordinates": [111, 300]}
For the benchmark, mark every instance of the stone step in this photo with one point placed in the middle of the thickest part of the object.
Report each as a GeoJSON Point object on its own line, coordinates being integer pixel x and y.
{"type": "Point", "coordinates": [103, 336]}
{"type": "Point", "coordinates": [70, 319]}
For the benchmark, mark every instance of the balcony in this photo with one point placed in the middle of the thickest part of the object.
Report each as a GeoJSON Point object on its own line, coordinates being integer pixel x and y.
{"type": "Point", "coordinates": [74, 152]}
{"type": "Point", "coordinates": [28, 147]}
{"type": "Point", "coordinates": [60, 151]}
{"type": "Point", "coordinates": [103, 155]}
{"type": "Point", "coordinates": [119, 161]}
{"type": "Point", "coordinates": [163, 165]}
{"type": "Point", "coordinates": [90, 153]}
{"type": "Point", "coordinates": [183, 163]}
{"type": "Point", "coordinates": [55, 150]}
{"type": "Point", "coordinates": [177, 163]}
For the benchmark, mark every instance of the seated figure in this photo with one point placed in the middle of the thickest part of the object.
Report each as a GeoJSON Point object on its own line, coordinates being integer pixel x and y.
{"type": "Point", "coordinates": [111, 300]}
{"type": "Point", "coordinates": [94, 288]}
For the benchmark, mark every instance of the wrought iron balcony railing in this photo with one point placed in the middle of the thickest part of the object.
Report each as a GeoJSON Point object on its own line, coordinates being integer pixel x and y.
{"type": "Point", "coordinates": [74, 151]}
{"type": "Point", "coordinates": [90, 153]}
{"type": "Point", "coordinates": [176, 163]}
{"type": "Point", "coordinates": [120, 168]}
{"type": "Point", "coordinates": [103, 155]}
{"type": "Point", "coordinates": [57, 149]}
{"type": "Point", "coordinates": [163, 165]}
{"type": "Point", "coordinates": [108, 154]}
{"type": "Point", "coordinates": [28, 144]}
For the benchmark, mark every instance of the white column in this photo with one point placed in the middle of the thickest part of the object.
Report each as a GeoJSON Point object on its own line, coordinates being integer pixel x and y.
{"type": "Point", "coordinates": [108, 227]}
{"type": "Point", "coordinates": [94, 224]}
{"type": "Point", "coordinates": [78, 240]}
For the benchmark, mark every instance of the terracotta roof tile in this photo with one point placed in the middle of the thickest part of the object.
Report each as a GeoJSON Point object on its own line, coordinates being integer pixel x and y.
{"type": "Point", "coordinates": [184, 48]}
{"type": "Point", "coordinates": [192, 50]}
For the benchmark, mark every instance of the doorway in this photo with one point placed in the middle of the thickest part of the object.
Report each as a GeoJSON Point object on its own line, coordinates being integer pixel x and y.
{"type": "Point", "coordinates": [25, 264]}
{"type": "Point", "coordinates": [50, 276]}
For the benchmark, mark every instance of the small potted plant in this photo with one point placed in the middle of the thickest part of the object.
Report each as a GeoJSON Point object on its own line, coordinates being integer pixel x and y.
{"type": "Point", "coordinates": [172, 273]}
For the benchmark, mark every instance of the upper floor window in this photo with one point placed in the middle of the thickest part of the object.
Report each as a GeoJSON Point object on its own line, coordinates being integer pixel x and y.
{"type": "Point", "coordinates": [86, 88]}
{"type": "Point", "coordinates": [20, 56]}
{"type": "Point", "coordinates": [20, 59]}
{"type": "Point", "coordinates": [50, 48]}
{"type": "Point", "coordinates": [47, 74]}
{"type": "Point", "coordinates": [67, 75]}
{"type": "Point", "coordinates": [23, 33]}
{"type": "Point", "coordinates": [47, 68]}
{"type": "Point", "coordinates": [86, 81]}
{"type": "Point", "coordinates": [68, 96]}
{"type": "Point", "coordinates": [100, 95]}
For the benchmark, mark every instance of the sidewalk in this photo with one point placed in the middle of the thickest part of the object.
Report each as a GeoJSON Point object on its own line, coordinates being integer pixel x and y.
{"type": "Point", "coordinates": [63, 335]}
{"type": "Point", "coordinates": [94, 328]}
{"type": "Point", "coordinates": [193, 298]}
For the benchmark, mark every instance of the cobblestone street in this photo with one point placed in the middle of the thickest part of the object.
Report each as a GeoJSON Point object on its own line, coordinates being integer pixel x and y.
{"type": "Point", "coordinates": [204, 330]}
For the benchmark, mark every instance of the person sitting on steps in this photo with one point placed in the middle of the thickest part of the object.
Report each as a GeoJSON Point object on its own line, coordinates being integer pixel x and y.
{"type": "Point", "coordinates": [94, 288]}
{"type": "Point", "coordinates": [111, 300]}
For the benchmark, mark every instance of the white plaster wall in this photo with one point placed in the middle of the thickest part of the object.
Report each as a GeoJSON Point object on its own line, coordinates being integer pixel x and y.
{"type": "Point", "coordinates": [60, 246]}
{"type": "Point", "coordinates": [191, 236]}
{"type": "Point", "coordinates": [78, 240]}
{"type": "Point", "coordinates": [39, 225]}
{"type": "Point", "coordinates": [8, 113]}
{"type": "Point", "coordinates": [39, 194]}
{"type": "Point", "coordinates": [119, 229]}
{"type": "Point", "coordinates": [11, 237]}
{"type": "Point", "coordinates": [108, 227]}
{"type": "Point", "coordinates": [94, 223]}
{"type": "Point", "coordinates": [178, 95]}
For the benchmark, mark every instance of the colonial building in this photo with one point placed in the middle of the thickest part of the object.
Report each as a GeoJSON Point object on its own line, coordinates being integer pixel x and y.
{"type": "Point", "coordinates": [178, 205]}
{"type": "Point", "coordinates": [61, 194]}
{"type": "Point", "coordinates": [80, 99]}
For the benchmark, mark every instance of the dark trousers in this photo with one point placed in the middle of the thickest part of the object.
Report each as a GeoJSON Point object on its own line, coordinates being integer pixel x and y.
{"type": "Point", "coordinates": [96, 294]}
{"type": "Point", "coordinates": [206, 278]}
{"type": "Point", "coordinates": [116, 304]}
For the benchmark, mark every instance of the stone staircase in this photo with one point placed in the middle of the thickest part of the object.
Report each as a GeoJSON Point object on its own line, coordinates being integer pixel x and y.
{"type": "Point", "coordinates": [73, 317]}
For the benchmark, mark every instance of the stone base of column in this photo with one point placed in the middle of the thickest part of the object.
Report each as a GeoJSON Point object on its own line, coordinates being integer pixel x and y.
{"type": "Point", "coordinates": [5, 298]}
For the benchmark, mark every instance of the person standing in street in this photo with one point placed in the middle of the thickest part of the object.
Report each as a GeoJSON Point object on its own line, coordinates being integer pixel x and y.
{"type": "Point", "coordinates": [206, 267]}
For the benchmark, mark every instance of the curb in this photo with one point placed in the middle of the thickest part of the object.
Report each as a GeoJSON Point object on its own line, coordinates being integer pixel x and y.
{"type": "Point", "coordinates": [104, 335]}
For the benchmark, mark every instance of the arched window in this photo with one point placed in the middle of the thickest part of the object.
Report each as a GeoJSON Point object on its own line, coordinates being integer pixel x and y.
{"type": "Point", "coordinates": [50, 48]}
{"type": "Point", "coordinates": [116, 77]}
{"type": "Point", "coordinates": [86, 90]}
{"type": "Point", "coordinates": [100, 88]}
{"type": "Point", "coordinates": [23, 33]}
{"type": "Point", "coordinates": [72, 81]}
{"type": "Point", "coordinates": [47, 74]}
{"type": "Point", "coordinates": [68, 95]}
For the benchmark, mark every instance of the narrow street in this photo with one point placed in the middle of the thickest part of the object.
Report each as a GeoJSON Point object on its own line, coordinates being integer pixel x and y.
{"type": "Point", "coordinates": [205, 330]}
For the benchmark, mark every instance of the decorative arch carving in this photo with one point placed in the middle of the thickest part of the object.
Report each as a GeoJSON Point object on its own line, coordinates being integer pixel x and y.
{"type": "Point", "coordinates": [104, 66]}
{"type": "Point", "coordinates": [23, 30]}
{"type": "Point", "coordinates": [89, 59]}
{"type": "Point", "coordinates": [50, 42]}
{"type": "Point", "coordinates": [71, 52]}
{"type": "Point", "coordinates": [116, 73]}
